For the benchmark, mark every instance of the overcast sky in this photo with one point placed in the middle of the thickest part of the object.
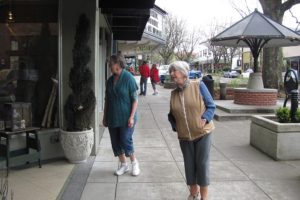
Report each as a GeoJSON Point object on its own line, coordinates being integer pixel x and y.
{"type": "Point", "coordinates": [199, 13]}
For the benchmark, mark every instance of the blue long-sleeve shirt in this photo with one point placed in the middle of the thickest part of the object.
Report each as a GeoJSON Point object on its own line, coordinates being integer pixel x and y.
{"type": "Point", "coordinates": [208, 101]}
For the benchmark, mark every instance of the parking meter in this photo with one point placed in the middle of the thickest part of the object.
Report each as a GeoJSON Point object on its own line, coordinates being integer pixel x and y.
{"type": "Point", "coordinates": [291, 92]}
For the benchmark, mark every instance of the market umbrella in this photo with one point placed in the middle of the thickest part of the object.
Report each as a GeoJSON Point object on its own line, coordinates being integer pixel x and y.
{"type": "Point", "coordinates": [256, 31]}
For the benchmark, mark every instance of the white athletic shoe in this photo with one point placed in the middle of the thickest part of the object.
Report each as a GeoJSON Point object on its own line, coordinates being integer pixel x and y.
{"type": "Point", "coordinates": [122, 169]}
{"type": "Point", "coordinates": [135, 168]}
{"type": "Point", "coordinates": [194, 197]}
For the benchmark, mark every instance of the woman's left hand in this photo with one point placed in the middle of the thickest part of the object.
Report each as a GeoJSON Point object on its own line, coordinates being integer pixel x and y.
{"type": "Point", "coordinates": [130, 122]}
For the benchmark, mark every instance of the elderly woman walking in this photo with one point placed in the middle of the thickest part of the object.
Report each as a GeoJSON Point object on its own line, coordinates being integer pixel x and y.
{"type": "Point", "coordinates": [192, 108]}
{"type": "Point", "coordinates": [120, 113]}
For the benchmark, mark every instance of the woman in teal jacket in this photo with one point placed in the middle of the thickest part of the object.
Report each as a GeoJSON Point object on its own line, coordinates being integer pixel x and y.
{"type": "Point", "coordinates": [120, 113]}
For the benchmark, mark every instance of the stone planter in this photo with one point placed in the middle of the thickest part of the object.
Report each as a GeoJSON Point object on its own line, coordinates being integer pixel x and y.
{"type": "Point", "coordinates": [77, 146]}
{"type": "Point", "coordinates": [281, 141]}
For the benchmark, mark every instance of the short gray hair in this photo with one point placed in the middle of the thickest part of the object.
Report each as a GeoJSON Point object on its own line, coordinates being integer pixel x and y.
{"type": "Point", "coordinates": [181, 66]}
{"type": "Point", "coordinates": [118, 59]}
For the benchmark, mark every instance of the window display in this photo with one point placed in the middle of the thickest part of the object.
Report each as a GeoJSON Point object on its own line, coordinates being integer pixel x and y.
{"type": "Point", "coordinates": [29, 58]}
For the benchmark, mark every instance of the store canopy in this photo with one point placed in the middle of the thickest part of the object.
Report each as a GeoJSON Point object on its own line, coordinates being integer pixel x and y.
{"type": "Point", "coordinates": [127, 19]}
{"type": "Point", "coordinates": [256, 31]}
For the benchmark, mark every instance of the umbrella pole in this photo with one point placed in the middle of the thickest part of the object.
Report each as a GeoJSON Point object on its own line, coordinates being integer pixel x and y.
{"type": "Point", "coordinates": [255, 79]}
{"type": "Point", "coordinates": [255, 64]}
{"type": "Point", "coordinates": [256, 46]}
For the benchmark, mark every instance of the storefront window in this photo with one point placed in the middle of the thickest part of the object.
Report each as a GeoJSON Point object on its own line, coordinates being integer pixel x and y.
{"type": "Point", "coordinates": [29, 57]}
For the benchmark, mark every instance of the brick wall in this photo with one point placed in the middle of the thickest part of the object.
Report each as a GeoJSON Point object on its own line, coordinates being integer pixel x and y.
{"type": "Point", "coordinates": [255, 98]}
{"type": "Point", "coordinates": [229, 93]}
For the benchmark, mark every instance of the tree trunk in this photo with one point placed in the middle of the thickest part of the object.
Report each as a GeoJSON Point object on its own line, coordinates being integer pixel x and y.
{"type": "Point", "coordinates": [272, 65]}
{"type": "Point", "coordinates": [272, 59]}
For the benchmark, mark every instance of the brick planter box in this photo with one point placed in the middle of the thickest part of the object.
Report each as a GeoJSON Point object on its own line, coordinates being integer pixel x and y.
{"type": "Point", "coordinates": [263, 97]}
{"type": "Point", "coordinates": [278, 140]}
{"type": "Point", "coordinates": [229, 93]}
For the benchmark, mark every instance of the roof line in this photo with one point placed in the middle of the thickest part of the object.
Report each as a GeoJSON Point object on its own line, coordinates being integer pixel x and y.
{"type": "Point", "coordinates": [267, 19]}
{"type": "Point", "coordinates": [252, 16]}
{"type": "Point", "coordinates": [232, 26]}
{"type": "Point", "coordinates": [160, 9]}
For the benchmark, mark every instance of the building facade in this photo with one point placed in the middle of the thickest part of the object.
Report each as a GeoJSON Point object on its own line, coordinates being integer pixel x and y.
{"type": "Point", "coordinates": [153, 37]}
{"type": "Point", "coordinates": [37, 38]}
{"type": "Point", "coordinates": [207, 62]}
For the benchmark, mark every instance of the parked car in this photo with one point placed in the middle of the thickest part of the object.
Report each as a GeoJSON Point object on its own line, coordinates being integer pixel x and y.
{"type": "Point", "coordinates": [163, 71]}
{"type": "Point", "coordinates": [247, 73]}
{"type": "Point", "coordinates": [231, 74]}
{"type": "Point", "coordinates": [194, 74]}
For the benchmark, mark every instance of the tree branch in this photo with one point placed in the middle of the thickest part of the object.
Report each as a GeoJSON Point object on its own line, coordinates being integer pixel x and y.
{"type": "Point", "coordinates": [237, 8]}
{"type": "Point", "coordinates": [289, 4]}
{"type": "Point", "coordinates": [297, 21]}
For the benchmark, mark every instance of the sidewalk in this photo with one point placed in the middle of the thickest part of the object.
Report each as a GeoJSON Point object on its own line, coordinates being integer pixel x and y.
{"type": "Point", "coordinates": [238, 171]}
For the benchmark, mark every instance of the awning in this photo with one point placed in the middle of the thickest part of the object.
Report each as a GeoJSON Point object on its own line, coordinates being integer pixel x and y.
{"type": "Point", "coordinates": [127, 19]}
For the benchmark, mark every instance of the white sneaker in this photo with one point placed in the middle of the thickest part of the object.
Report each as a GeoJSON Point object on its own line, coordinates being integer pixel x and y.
{"type": "Point", "coordinates": [194, 197]}
{"type": "Point", "coordinates": [122, 169]}
{"type": "Point", "coordinates": [135, 168]}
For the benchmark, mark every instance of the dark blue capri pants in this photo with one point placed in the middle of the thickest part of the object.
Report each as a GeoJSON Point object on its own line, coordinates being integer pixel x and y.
{"type": "Point", "coordinates": [196, 160]}
{"type": "Point", "coordinates": [121, 140]}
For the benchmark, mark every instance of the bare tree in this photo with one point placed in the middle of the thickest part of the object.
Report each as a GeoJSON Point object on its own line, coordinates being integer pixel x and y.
{"type": "Point", "coordinates": [218, 52]}
{"type": "Point", "coordinates": [272, 57]}
{"type": "Point", "coordinates": [229, 53]}
{"type": "Point", "coordinates": [296, 19]}
{"type": "Point", "coordinates": [187, 48]}
{"type": "Point", "coordinates": [174, 30]}
{"type": "Point", "coordinates": [243, 12]}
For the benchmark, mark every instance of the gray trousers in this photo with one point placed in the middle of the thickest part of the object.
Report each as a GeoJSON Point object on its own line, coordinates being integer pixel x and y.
{"type": "Point", "coordinates": [143, 85]}
{"type": "Point", "coordinates": [196, 160]}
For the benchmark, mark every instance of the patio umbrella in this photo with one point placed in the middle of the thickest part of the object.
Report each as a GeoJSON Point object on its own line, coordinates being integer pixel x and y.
{"type": "Point", "coordinates": [256, 31]}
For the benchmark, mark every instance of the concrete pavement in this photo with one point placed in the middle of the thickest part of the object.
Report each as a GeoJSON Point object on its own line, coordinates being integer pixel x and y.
{"type": "Point", "coordinates": [238, 171]}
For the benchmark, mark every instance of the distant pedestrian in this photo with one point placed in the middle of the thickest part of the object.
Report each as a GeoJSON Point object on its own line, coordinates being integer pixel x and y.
{"type": "Point", "coordinates": [154, 77]}
{"type": "Point", "coordinates": [145, 73]}
{"type": "Point", "coordinates": [192, 109]}
{"type": "Point", "coordinates": [120, 116]}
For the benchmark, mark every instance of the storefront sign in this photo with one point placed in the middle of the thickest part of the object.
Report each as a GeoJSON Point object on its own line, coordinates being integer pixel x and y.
{"type": "Point", "coordinates": [144, 48]}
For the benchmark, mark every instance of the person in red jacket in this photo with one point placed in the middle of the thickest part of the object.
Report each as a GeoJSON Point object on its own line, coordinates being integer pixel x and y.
{"type": "Point", "coordinates": [145, 73]}
{"type": "Point", "coordinates": [154, 77]}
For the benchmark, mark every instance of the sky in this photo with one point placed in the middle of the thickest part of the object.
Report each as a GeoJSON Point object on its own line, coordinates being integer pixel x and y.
{"type": "Point", "coordinates": [200, 14]}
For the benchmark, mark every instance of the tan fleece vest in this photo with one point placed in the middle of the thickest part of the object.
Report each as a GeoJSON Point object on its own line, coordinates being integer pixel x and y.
{"type": "Point", "coordinates": [187, 107]}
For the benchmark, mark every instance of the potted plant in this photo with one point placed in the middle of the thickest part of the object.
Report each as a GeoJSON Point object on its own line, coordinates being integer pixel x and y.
{"type": "Point", "coordinates": [77, 139]}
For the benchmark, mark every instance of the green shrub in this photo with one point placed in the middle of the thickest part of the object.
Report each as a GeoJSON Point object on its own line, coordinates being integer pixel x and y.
{"type": "Point", "coordinates": [283, 115]}
{"type": "Point", "coordinates": [226, 69]}
{"type": "Point", "coordinates": [235, 83]}
{"type": "Point", "coordinates": [298, 115]}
